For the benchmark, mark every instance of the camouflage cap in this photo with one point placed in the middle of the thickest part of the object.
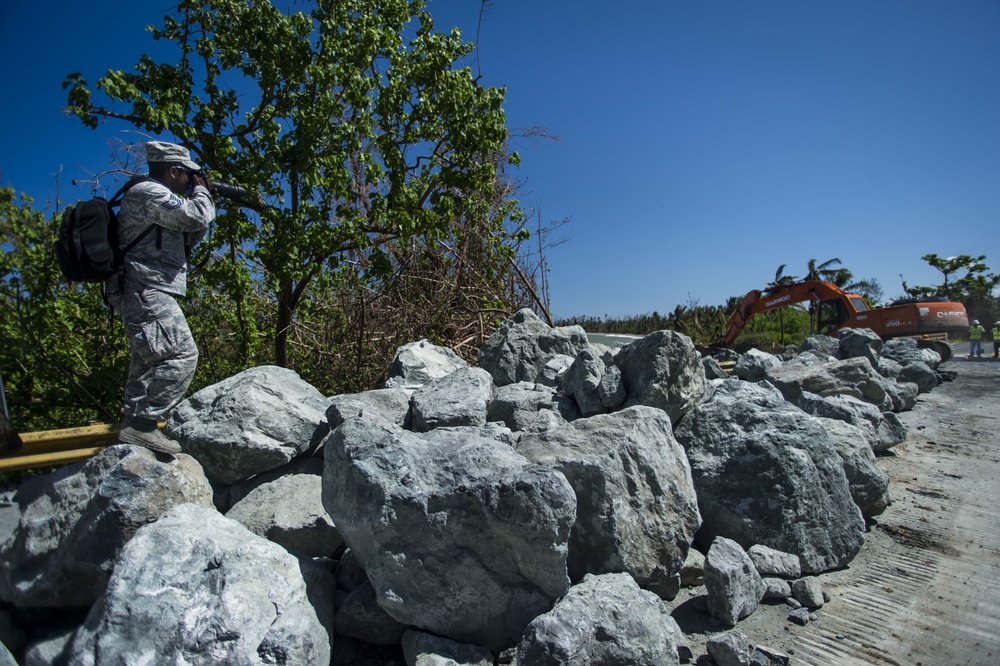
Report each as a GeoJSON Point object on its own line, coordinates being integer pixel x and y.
{"type": "Point", "coordinates": [170, 153]}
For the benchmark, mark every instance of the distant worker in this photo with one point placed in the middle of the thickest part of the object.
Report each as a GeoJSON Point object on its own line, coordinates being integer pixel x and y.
{"type": "Point", "coordinates": [177, 204]}
{"type": "Point", "coordinates": [976, 333]}
{"type": "Point", "coordinates": [996, 339]}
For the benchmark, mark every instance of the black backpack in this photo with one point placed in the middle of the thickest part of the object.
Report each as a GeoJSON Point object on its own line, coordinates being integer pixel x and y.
{"type": "Point", "coordinates": [87, 247]}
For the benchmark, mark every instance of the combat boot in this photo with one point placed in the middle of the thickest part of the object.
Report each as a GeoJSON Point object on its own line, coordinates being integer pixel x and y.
{"type": "Point", "coordinates": [148, 437]}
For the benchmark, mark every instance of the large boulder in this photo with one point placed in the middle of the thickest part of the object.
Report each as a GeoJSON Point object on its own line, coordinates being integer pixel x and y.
{"type": "Point", "coordinates": [823, 345]}
{"type": "Point", "coordinates": [854, 377]}
{"type": "Point", "coordinates": [392, 404]}
{"type": "Point", "coordinates": [522, 345]}
{"type": "Point", "coordinates": [732, 584]}
{"type": "Point", "coordinates": [420, 363]}
{"type": "Point", "coordinates": [902, 396]}
{"type": "Point", "coordinates": [662, 370]}
{"type": "Point", "coordinates": [252, 422]}
{"type": "Point", "coordinates": [860, 343]}
{"type": "Point", "coordinates": [754, 364]}
{"type": "Point", "coordinates": [422, 649]}
{"type": "Point", "coordinates": [919, 373]}
{"type": "Point", "coordinates": [460, 399]}
{"type": "Point", "coordinates": [636, 507]}
{"type": "Point", "coordinates": [460, 535]}
{"type": "Point", "coordinates": [766, 472]}
{"type": "Point", "coordinates": [75, 520]}
{"type": "Point", "coordinates": [906, 350]}
{"type": "Point", "coordinates": [602, 621]}
{"type": "Point", "coordinates": [524, 406]}
{"type": "Point", "coordinates": [289, 511]}
{"type": "Point", "coordinates": [197, 588]}
{"type": "Point", "coordinates": [359, 616]}
{"type": "Point", "coordinates": [882, 430]}
{"type": "Point", "coordinates": [869, 484]}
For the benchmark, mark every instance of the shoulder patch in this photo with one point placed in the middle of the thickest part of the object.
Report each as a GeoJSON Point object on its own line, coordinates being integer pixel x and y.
{"type": "Point", "coordinates": [172, 203]}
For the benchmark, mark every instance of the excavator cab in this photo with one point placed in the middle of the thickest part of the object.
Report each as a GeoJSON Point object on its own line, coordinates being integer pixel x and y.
{"type": "Point", "coordinates": [832, 315]}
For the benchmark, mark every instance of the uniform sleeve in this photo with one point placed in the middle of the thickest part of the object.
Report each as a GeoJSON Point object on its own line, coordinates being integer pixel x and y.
{"type": "Point", "coordinates": [191, 215]}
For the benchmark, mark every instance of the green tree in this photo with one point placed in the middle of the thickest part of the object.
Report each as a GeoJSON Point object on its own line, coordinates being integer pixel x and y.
{"type": "Point", "coordinates": [974, 288]}
{"type": "Point", "coordinates": [976, 277]}
{"type": "Point", "coordinates": [870, 289]}
{"type": "Point", "coordinates": [826, 271]}
{"type": "Point", "coordinates": [62, 363]}
{"type": "Point", "coordinates": [354, 121]}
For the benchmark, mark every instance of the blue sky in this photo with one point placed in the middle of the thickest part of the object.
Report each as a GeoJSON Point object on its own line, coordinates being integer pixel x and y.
{"type": "Point", "coordinates": [701, 144]}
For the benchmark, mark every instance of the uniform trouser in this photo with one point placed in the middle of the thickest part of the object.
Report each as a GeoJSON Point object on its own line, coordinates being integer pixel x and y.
{"type": "Point", "coordinates": [975, 347]}
{"type": "Point", "coordinates": [164, 353]}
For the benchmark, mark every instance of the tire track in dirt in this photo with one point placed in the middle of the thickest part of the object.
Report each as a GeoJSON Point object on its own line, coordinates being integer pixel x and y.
{"type": "Point", "coordinates": [925, 588]}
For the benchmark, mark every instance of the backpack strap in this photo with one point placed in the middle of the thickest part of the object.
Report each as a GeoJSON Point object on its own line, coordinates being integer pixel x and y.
{"type": "Point", "coordinates": [116, 200]}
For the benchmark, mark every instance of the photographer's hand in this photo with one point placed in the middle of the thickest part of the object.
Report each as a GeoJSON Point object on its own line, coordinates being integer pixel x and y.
{"type": "Point", "coordinates": [203, 179]}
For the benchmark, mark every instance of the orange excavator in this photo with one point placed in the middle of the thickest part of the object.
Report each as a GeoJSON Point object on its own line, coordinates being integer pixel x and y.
{"type": "Point", "coordinates": [837, 309]}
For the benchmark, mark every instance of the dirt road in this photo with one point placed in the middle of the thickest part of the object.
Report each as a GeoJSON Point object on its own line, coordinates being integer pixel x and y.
{"type": "Point", "coordinates": [925, 588]}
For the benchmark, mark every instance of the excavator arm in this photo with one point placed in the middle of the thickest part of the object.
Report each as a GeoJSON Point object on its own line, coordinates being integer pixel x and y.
{"type": "Point", "coordinates": [756, 302]}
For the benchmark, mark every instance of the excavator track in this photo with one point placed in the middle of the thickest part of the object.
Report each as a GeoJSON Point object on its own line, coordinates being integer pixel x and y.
{"type": "Point", "coordinates": [940, 346]}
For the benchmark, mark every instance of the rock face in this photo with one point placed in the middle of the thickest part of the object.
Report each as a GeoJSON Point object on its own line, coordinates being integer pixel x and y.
{"type": "Point", "coordinates": [525, 406]}
{"type": "Point", "coordinates": [602, 620]}
{"type": "Point", "coordinates": [392, 404]}
{"type": "Point", "coordinates": [869, 484]}
{"type": "Point", "coordinates": [732, 583]}
{"type": "Point", "coordinates": [422, 649]}
{"type": "Point", "coordinates": [74, 521]}
{"type": "Point", "coordinates": [198, 588]}
{"type": "Point", "coordinates": [420, 363]}
{"type": "Point", "coordinates": [905, 351]}
{"type": "Point", "coordinates": [860, 343]}
{"type": "Point", "coordinates": [766, 472]}
{"type": "Point", "coordinates": [636, 507]}
{"type": "Point", "coordinates": [459, 399]}
{"type": "Point", "coordinates": [250, 423]}
{"type": "Point", "coordinates": [289, 511]}
{"type": "Point", "coordinates": [519, 349]}
{"type": "Point", "coordinates": [854, 377]}
{"type": "Point", "coordinates": [882, 430]}
{"type": "Point", "coordinates": [662, 370]}
{"type": "Point", "coordinates": [919, 373]}
{"type": "Point", "coordinates": [460, 535]}
{"type": "Point", "coordinates": [754, 364]}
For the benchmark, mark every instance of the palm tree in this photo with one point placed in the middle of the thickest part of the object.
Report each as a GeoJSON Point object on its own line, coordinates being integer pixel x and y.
{"type": "Point", "coordinates": [826, 271]}
{"type": "Point", "coordinates": [781, 280]}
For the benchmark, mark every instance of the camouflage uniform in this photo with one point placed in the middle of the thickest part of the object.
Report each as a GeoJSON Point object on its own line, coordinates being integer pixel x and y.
{"type": "Point", "coordinates": [164, 353]}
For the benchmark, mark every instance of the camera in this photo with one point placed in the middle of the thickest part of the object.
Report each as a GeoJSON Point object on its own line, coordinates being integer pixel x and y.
{"type": "Point", "coordinates": [227, 191]}
{"type": "Point", "coordinates": [235, 193]}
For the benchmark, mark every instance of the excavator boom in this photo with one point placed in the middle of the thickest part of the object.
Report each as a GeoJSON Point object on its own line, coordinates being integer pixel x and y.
{"type": "Point", "coordinates": [838, 309]}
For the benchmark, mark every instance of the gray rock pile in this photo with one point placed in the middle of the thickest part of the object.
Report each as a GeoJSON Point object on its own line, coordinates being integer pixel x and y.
{"type": "Point", "coordinates": [542, 508]}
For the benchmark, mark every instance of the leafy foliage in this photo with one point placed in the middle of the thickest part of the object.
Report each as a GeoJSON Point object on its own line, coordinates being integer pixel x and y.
{"type": "Point", "coordinates": [380, 164]}
{"type": "Point", "coordinates": [61, 361]}
{"type": "Point", "coordinates": [350, 120]}
{"type": "Point", "coordinates": [974, 288]}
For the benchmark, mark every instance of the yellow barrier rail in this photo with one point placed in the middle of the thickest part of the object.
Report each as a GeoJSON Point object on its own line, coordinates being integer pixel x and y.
{"type": "Point", "coordinates": [49, 448]}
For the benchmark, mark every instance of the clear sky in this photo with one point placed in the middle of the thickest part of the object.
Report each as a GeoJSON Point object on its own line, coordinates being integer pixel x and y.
{"type": "Point", "coordinates": [701, 143]}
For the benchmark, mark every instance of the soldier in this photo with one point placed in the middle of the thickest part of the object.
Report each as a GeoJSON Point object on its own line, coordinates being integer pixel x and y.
{"type": "Point", "coordinates": [163, 351]}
